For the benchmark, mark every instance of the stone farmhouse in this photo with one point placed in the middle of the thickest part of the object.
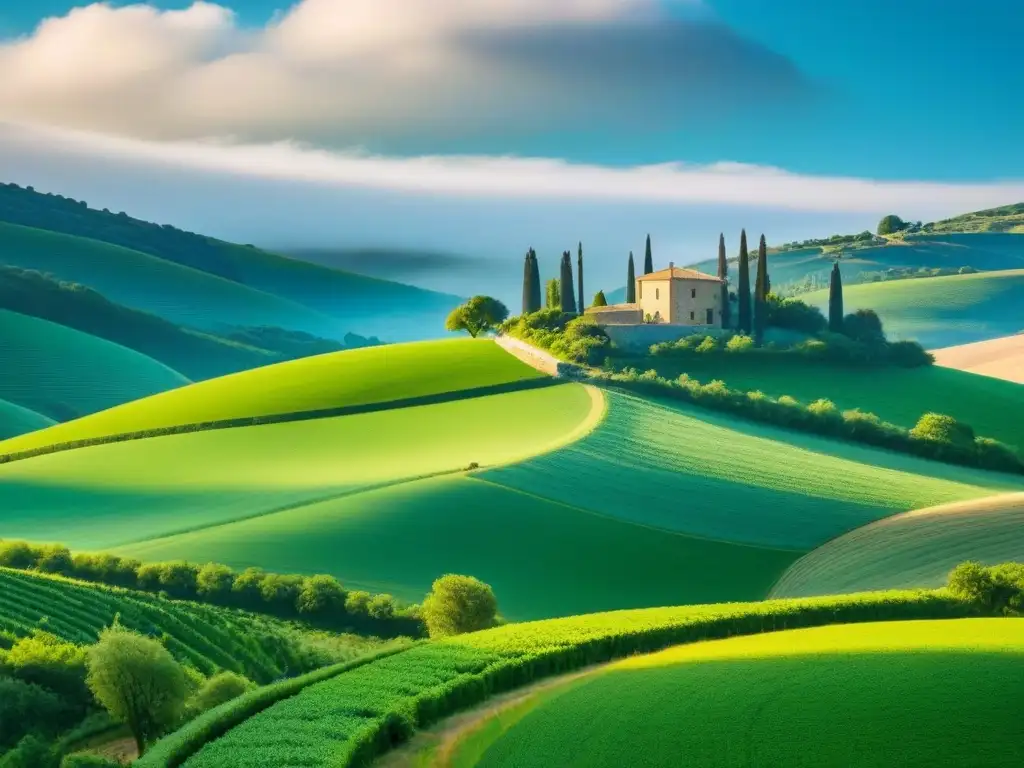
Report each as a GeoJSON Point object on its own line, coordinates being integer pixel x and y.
{"type": "Point", "coordinates": [673, 296]}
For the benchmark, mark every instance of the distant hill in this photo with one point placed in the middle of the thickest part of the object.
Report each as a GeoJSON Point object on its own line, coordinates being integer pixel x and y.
{"type": "Point", "coordinates": [363, 305]}
{"type": "Point", "coordinates": [17, 420]}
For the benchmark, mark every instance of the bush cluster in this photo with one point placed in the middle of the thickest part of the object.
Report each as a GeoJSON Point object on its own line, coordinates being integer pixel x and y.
{"type": "Point", "coordinates": [321, 600]}
{"type": "Point", "coordinates": [573, 338]}
{"type": "Point", "coordinates": [935, 436]}
{"type": "Point", "coordinates": [997, 589]}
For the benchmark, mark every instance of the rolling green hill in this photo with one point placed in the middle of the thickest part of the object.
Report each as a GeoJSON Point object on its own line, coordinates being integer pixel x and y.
{"type": "Point", "coordinates": [61, 373]}
{"type": "Point", "coordinates": [916, 548]}
{"type": "Point", "coordinates": [940, 311]}
{"type": "Point", "coordinates": [332, 301]}
{"type": "Point", "coordinates": [210, 639]}
{"type": "Point", "coordinates": [894, 693]}
{"type": "Point", "coordinates": [690, 506]}
{"type": "Point", "coordinates": [16, 420]}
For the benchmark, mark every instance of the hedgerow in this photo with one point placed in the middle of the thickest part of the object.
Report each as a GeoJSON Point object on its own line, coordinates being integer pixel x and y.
{"type": "Point", "coordinates": [347, 720]}
{"type": "Point", "coordinates": [936, 436]}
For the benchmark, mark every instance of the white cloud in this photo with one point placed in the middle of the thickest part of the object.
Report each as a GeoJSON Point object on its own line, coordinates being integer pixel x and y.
{"type": "Point", "coordinates": [725, 183]}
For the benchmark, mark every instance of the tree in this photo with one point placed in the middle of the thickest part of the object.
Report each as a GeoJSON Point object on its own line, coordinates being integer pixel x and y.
{"type": "Point", "coordinates": [553, 294]}
{"type": "Point", "coordinates": [723, 272]}
{"type": "Point", "coordinates": [565, 289]}
{"type": "Point", "coordinates": [527, 283]}
{"type": "Point", "coordinates": [137, 681]}
{"type": "Point", "coordinates": [381, 607]}
{"type": "Point", "coordinates": [476, 316]}
{"type": "Point", "coordinates": [357, 603]}
{"type": "Point", "coordinates": [761, 292]}
{"type": "Point", "coordinates": [599, 300]}
{"type": "Point", "coordinates": [864, 326]}
{"type": "Point", "coordinates": [579, 279]}
{"type": "Point", "coordinates": [943, 429]}
{"type": "Point", "coordinates": [535, 293]}
{"type": "Point", "coordinates": [221, 688]}
{"type": "Point", "coordinates": [630, 281]}
{"type": "Point", "coordinates": [458, 604]}
{"type": "Point", "coordinates": [648, 258]}
{"type": "Point", "coordinates": [835, 301]}
{"type": "Point", "coordinates": [320, 594]}
{"type": "Point", "coordinates": [891, 224]}
{"type": "Point", "coordinates": [214, 581]}
{"type": "Point", "coordinates": [743, 289]}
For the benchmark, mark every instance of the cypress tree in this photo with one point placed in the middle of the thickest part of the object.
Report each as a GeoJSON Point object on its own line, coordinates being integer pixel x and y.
{"type": "Point", "coordinates": [835, 301]}
{"type": "Point", "coordinates": [648, 258]}
{"type": "Point", "coordinates": [565, 289]}
{"type": "Point", "coordinates": [579, 279]}
{"type": "Point", "coordinates": [535, 294]}
{"type": "Point", "coordinates": [599, 300]}
{"type": "Point", "coordinates": [527, 283]}
{"type": "Point", "coordinates": [761, 292]}
{"type": "Point", "coordinates": [554, 300]}
{"type": "Point", "coordinates": [743, 289]}
{"type": "Point", "coordinates": [723, 272]}
{"type": "Point", "coordinates": [630, 282]}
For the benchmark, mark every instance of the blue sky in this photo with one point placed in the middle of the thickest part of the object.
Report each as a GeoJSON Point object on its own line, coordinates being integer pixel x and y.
{"type": "Point", "coordinates": [866, 106]}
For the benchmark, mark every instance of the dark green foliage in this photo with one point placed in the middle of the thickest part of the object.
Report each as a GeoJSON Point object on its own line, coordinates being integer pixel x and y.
{"type": "Point", "coordinates": [459, 604]}
{"type": "Point", "coordinates": [26, 707]}
{"type": "Point", "coordinates": [648, 258]}
{"type": "Point", "coordinates": [566, 290]}
{"type": "Point", "coordinates": [599, 300]}
{"type": "Point", "coordinates": [88, 760]}
{"type": "Point", "coordinates": [478, 315]}
{"type": "Point", "coordinates": [48, 661]}
{"type": "Point", "coordinates": [573, 339]}
{"type": "Point", "coordinates": [529, 265]}
{"type": "Point", "coordinates": [31, 752]}
{"type": "Point", "coordinates": [794, 315]}
{"type": "Point", "coordinates": [761, 292]}
{"type": "Point", "coordinates": [579, 279]}
{"type": "Point", "coordinates": [320, 594]}
{"type": "Point", "coordinates": [217, 690]}
{"type": "Point", "coordinates": [743, 288]}
{"type": "Point", "coordinates": [553, 296]}
{"type": "Point", "coordinates": [289, 344]}
{"type": "Point", "coordinates": [17, 554]}
{"type": "Point", "coordinates": [835, 300]}
{"type": "Point", "coordinates": [214, 581]}
{"type": "Point", "coordinates": [996, 589]}
{"type": "Point", "coordinates": [864, 326]}
{"type": "Point", "coordinates": [891, 224]}
{"type": "Point", "coordinates": [820, 417]}
{"type": "Point", "coordinates": [630, 281]}
{"type": "Point", "coordinates": [723, 272]}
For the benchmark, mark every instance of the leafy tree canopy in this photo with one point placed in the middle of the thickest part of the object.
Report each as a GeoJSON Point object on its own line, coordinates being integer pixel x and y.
{"type": "Point", "coordinates": [476, 316]}
{"type": "Point", "coordinates": [891, 224]}
{"type": "Point", "coordinates": [458, 604]}
{"type": "Point", "coordinates": [600, 300]}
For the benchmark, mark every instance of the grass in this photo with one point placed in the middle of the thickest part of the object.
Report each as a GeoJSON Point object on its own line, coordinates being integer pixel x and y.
{"type": "Point", "coordinates": [916, 548]}
{"type": "Point", "coordinates": [348, 719]}
{"type": "Point", "coordinates": [179, 293]}
{"type": "Point", "coordinates": [208, 638]}
{"type": "Point", "coordinates": [897, 395]}
{"type": "Point", "coordinates": [341, 379]}
{"type": "Point", "coordinates": [940, 311]}
{"type": "Point", "coordinates": [16, 420]}
{"type": "Point", "coordinates": [930, 693]}
{"type": "Point", "coordinates": [61, 373]}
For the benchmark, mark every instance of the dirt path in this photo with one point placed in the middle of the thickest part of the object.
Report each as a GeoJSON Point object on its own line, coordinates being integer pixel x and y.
{"type": "Point", "coordinates": [435, 747]}
{"type": "Point", "coordinates": [998, 358]}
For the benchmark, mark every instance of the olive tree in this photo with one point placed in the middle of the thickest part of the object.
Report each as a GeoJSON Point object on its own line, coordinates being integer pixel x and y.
{"type": "Point", "coordinates": [476, 316]}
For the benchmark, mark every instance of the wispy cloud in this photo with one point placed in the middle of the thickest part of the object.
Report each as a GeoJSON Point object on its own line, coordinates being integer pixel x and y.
{"type": "Point", "coordinates": [721, 183]}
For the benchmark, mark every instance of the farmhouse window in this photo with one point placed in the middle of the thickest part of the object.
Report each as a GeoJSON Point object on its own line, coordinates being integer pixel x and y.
{"type": "Point", "coordinates": [693, 293]}
{"type": "Point", "coordinates": [692, 316]}
{"type": "Point", "coordinates": [711, 317]}
{"type": "Point", "coordinates": [657, 293]}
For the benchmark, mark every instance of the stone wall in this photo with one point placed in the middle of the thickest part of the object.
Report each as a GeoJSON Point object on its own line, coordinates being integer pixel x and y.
{"type": "Point", "coordinates": [540, 359]}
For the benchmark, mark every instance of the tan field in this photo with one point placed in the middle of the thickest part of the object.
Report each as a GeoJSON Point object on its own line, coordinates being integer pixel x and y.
{"type": "Point", "coordinates": [998, 358]}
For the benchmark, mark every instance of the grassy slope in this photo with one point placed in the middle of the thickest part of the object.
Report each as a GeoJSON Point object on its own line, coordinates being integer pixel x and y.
{"type": "Point", "coordinates": [17, 420]}
{"type": "Point", "coordinates": [350, 378]}
{"type": "Point", "coordinates": [916, 548]}
{"type": "Point", "coordinates": [898, 693]}
{"type": "Point", "coordinates": [999, 358]}
{"type": "Point", "coordinates": [61, 373]}
{"type": "Point", "coordinates": [940, 311]}
{"type": "Point", "coordinates": [898, 395]}
{"type": "Point", "coordinates": [145, 282]}
{"type": "Point", "coordinates": [207, 637]}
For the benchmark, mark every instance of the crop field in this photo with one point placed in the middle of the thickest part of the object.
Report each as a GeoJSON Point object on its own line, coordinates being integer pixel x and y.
{"type": "Point", "coordinates": [916, 548]}
{"type": "Point", "coordinates": [691, 471]}
{"type": "Point", "coordinates": [999, 358]}
{"type": "Point", "coordinates": [897, 395]}
{"type": "Point", "coordinates": [138, 280]}
{"type": "Point", "coordinates": [893, 693]}
{"type": "Point", "coordinates": [210, 639]}
{"type": "Point", "coordinates": [346, 720]}
{"type": "Point", "coordinates": [62, 373]}
{"type": "Point", "coordinates": [940, 311]}
{"type": "Point", "coordinates": [17, 420]}
{"type": "Point", "coordinates": [119, 493]}
{"type": "Point", "coordinates": [359, 377]}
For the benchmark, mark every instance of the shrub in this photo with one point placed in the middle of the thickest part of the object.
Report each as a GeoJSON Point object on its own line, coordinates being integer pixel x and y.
{"type": "Point", "coordinates": [458, 604]}
{"type": "Point", "coordinates": [795, 315]}
{"type": "Point", "coordinates": [909, 354]}
{"type": "Point", "coordinates": [281, 591]}
{"type": "Point", "coordinates": [54, 558]}
{"type": "Point", "coordinates": [940, 428]}
{"type": "Point", "coordinates": [214, 581]}
{"type": "Point", "coordinates": [709, 344]}
{"type": "Point", "coordinates": [45, 660]}
{"type": "Point", "coordinates": [381, 607]}
{"type": "Point", "coordinates": [247, 587]}
{"type": "Point", "coordinates": [358, 602]}
{"type": "Point", "coordinates": [740, 343]}
{"type": "Point", "coordinates": [220, 688]}
{"type": "Point", "coordinates": [997, 589]}
{"type": "Point", "coordinates": [864, 326]}
{"type": "Point", "coordinates": [88, 760]}
{"type": "Point", "coordinates": [17, 554]}
{"type": "Point", "coordinates": [320, 594]}
{"type": "Point", "coordinates": [26, 707]}
{"type": "Point", "coordinates": [31, 752]}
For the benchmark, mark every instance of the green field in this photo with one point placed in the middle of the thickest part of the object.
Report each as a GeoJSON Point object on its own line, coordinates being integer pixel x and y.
{"type": "Point", "coordinates": [17, 420]}
{"type": "Point", "coordinates": [916, 548]}
{"type": "Point", "coordinates": [897, 395]}
{"type": "Point", "coordinates": [342, 379]}
{"type": "Point", "coordinates": [940, 311]}
{"type": "Point", "coordinates": [61, 373]}
{"type": "Point", "coordinates": [210, 639]}
{"type": "Point", "coordinates": [933, 693]}
{"type": "Point", "coordinates": [180, 294]}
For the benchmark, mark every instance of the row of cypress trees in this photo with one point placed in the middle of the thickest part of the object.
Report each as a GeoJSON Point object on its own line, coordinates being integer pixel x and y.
{"type": "Point", "coordinates": [560, 293]}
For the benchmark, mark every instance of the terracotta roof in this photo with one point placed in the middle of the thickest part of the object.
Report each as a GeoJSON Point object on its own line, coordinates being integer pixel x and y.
{"type": "Point", "coordinates": [677, 273]}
